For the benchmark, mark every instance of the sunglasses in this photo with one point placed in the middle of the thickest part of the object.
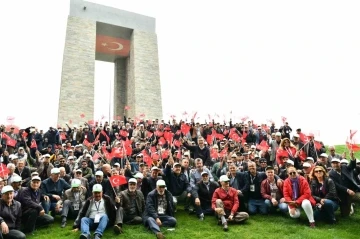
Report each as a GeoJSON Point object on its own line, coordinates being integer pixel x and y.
{"type": "Point", "coordinates": [292, 173]}
{"type": "Point", "coordinates": [318, 171]}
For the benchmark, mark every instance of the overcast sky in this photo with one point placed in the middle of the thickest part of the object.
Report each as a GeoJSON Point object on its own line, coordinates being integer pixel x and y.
{"type": "Point", "coordinates": [262, 59]}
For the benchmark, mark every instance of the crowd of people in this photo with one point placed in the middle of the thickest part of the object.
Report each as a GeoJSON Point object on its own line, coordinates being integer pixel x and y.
{"type": "Point", "coordinates": [139, 172]}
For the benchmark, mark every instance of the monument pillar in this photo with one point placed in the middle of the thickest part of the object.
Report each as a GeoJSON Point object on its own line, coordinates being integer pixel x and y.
{"type": "Point", "coordinates": [120, 86]}
{"type": "Point", "coordinates": [144, 90]}
{"type": "Point", "coordinates": [77, 79]}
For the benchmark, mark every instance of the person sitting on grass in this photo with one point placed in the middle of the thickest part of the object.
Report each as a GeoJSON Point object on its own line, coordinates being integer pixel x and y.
{"type": "Point", "coordinates": [323, 191]}
{"type": "Point", "coordinates": [297, 194]}
{"type": "Point", "coordinates": [159, 209]}
{"type": "Point", "coordinates": [225, 203]}
{"type": "Point", "coordinates": [98, 212]}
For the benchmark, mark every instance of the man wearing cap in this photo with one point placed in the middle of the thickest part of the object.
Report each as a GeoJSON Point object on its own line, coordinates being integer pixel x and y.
{"type": "Point", "coordinates": [98, 212]}
{"type": "Point", "coordinates": [274, 145]}
{"type": "Point", "coordinates": [78, 175]}
{"type": "Point", "coordinates": [72, 202]}
{"type": "Point", "coordinates": [16, 184]}
{"type": "Point", "coordinates": [106, 186]}
{"type": "Point", "coordinates": [346, 187]}
{"type": "Point", "coordinates": [225, 203]}
{"type": "Point", "coordinates": [323, 161]}
{"type": "Point", "coordinates": [53, 187]}
{"type": "Point", "coordinates": [45, 167]}
{"type": "Point", "coordinates": [314, 148]}
{"type": "Point", "coordinates": [33, 214]}
{"type": "Point", "coordinates": [10, 215]}
{"type": "Point", "coordinates": [86, 171]}
{"type": "Point", "coordinates": [202, 193]}
{"type": "Point", "coordinates": [178, 185]}
{"type": "Point", "coordinates": [132, 206]}
{"type": "Point", "coordinates": [149, 183]}
{"type": "Point", "coordinates": [333, 154]}
{"type": "Point", "coordinates": [272, 191]}
{"type": "Point", "coordinates": [159, 209]}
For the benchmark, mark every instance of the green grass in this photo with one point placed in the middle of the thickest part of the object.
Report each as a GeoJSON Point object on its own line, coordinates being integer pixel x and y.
{"type": "Point", "coordinates": [188, 226]}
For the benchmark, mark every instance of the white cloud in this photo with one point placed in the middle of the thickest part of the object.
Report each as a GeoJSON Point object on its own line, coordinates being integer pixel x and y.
{"type": "Point", "coordinates": [265, 59]}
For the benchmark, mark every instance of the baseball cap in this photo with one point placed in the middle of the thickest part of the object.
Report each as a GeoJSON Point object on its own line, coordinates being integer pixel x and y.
{"type": "Point", "coordinates": [99, 173]}
{"type": "Point", "coordinates": [335, 160]}
{"type": "Point", "coordinates": [311, 159]}
{"type": "Point", "coordinates": [55, 171]}
{"type": "Point", "coordinates": [269, 168]}
{"type": "Point", "coordinates": [132, 180]}
{"type": "Point", "coordinates": [324, 155]}
{"type": "Point", "coordinates": [36, 178]}
{"type": "Point", "coordinates": [97, 188]}
{"type": "Point", "coordinates": [139, 175]}
{"type": "Point", "coordinates": [16, 179]}
{"type": "Point", "coordinates": [154, 168]}
{"type": "Point", "coordinates": [224, 178]}
{"type": "Point", "coordinates": [306, 165]}
{"type": "Point", "coordinates": [6, 189]}
{"type": "Point", "coordinates": [344, 161]}
{"type": "Point", "coordinates": [75, 183]}
{"type": "Point", "coordinates": [278, 134]}
{"type": "Point", "coordinates": [289, 161]}
{"type": "Point", "coordinates": [47, 156]}
{"type": "Point", "coordinates": [204, 172]}
{"type": "Point", "coordinates": [78, 170]}
{"type": "Point", "coordinates": [160, 182]}
{"type": "Point", "coordinates": [176, 164]}
{"type": "Point", "coordinates": [116, 165]}
{"type": "Point", "coordinates": [34, 173]}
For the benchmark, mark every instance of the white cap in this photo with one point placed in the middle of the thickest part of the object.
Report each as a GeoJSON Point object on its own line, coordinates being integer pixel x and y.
{"type": "Point", "coordinates": [75, 183]}
{"type": "Point", "coordinates": [278, 134]}
{"type": "Point", "coordinates": [357, 161]}
{"type": "Point", "coordinates": [139, 175]}
{"type": "Point", "coordinates": [116, 164]}
{"type": "Point", "coordinates": [55, 171]}
{"type": "Point", "coordinates": [204, 172]}
{"type": "Point", "coordinates": [88, 156]}
{"type": "Point", "coordinates": [160, 182]}
{"type": "Point", "coordinates": [6, 189]}
{"type": "Point", "coordinates": [289, 161]}
{"type": "Point", "coordinates": [132, 180]}
{"type": "Point", "coordinates": [97, 188]}
{"type": "Point", "coordinates": [99, 173]}
{"type": "Point", "coordinates": [296, 136]}
{"type": "Point", "coordinates": [224, 178]}
{"type": "Point", "coordinates": [16, 179]}
{"type": "Point", "coordinates": [311, 158]}
{"type": "Point", "coordinates": [306, 165]}
{"type": "Point", "coordinates": [324, 155]}
{"type": "Point", "coordinates": [344, 161]}
{"type": "Point", "coordinates": [186, 154]}
{"type": "Point", "coordinates": [36, 178]}
{"type": "Point", "coordinates": [335, 160]}
{"type": "Point", "coordinates": [253, 147]}
{"type": "Point", "coordinates": [47, 156]}
{"type": "Point", "coordinates": [233, 155]}
{"type": "Point", "coordinates": [154, 168]}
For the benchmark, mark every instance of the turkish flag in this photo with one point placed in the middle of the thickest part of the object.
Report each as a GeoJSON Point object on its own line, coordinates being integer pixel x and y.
{"type": "Point", "coordinates": [4, 171]}
{"type": "Point", "coordinates": [185, 129]}
{"type": "Point", "coordinates": [33, 144]}
{"type": "Point", "coordinates": [112, 45]}
{"type": "Point", "coordinates": [117, 180]}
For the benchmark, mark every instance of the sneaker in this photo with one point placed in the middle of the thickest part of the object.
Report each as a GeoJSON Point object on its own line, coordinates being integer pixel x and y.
{"type": "Point", "coordinates": [117, 229]}
{"type": "Point", "coordinates": [225, 227]}
{"type": "Point", "coordinates": [63, 222]}
{"type": "Point", "coordinates": [84, 236]}
{"type": "Point", "coordinates": [352, 209]}
{"type": "Point", "coordinates": [159, 235]}
{"type": "Point", "coordinates": [97, 236]}
{"type": "Point", "coordinates": [312, 224]}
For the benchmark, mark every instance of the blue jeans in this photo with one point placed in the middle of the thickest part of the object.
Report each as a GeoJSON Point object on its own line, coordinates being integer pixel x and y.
{"type": "Point", "coordinates": [257, 204]}
{"type": "Point", "coordinates": [88, 223]}
{"type": "Point", "coordinates": [166, 221]}
{"type": "Point", "coordinates": [327, 210]}
{"type": "Point", "coordinates": [283, 207]}
{"type": "Point", "coordinates": [49, 207]}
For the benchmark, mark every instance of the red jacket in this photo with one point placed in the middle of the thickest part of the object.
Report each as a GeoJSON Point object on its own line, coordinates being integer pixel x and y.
{"type": "Point", "coordinates": [304, 191]}
{"type": "Point", "coordinates": [230, 199]}
{"type": "Point", "coordinates": [265, 188]}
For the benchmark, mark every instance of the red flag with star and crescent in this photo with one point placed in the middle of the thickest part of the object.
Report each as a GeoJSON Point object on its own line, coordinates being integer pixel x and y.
{"type": "Point", "coordinates": [112, 45]}
{"type": "Point", "coordinates": [117, 180]}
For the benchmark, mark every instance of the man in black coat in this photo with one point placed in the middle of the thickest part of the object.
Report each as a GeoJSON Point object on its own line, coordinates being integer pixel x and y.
{"type": "Point", "coordinates": [24, 172]}
{"type": "Point", "coordinates": [346, 187]}
{"type": "Point", "coordinates": [159, 209]}
{"type": "Point", "coordinates": [202, 193]}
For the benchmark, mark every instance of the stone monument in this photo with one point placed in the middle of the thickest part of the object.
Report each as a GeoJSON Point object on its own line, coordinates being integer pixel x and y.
{"type": "Point", "coordinates": [96, 32]}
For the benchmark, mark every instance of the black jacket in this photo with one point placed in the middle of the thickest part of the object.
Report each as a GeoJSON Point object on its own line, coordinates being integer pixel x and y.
{"type": "Point", "coordinates": [30, 200]}
{"type": "Point", "coordinates": [151, 205]}
{"type": "Point", "coordinates": [329, 190]}
{"type": "Point", "coordinates": [139, 200]}
{"type": "Point", "coordinates": [346, 172]}
{"type": "Point", "coordinates": [200, 191]}
{"type": "Point", "coordinates": [11, 215]}
{"type": "Point", "coordinates": [25, 175]}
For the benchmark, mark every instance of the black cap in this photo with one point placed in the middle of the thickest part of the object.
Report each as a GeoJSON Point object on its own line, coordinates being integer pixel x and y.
{"type": "Point", "coordinates": [262, 160]}
{"type": "Point", "coordinates": [269, 168]}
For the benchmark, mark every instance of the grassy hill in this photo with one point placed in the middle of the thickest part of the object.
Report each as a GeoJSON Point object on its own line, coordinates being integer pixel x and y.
{"type": "Point", "coordinates": [272, 226]}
